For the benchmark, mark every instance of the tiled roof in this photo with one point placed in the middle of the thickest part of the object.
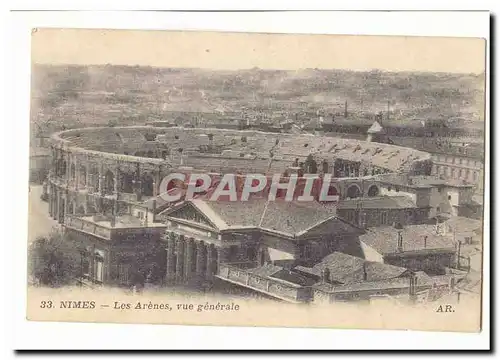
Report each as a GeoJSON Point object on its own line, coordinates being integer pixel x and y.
{"type": "Point", "coordinates": [384, 239]}
{"type": "Point", "coordinates": [287, 218]}
{"type": "Point", "coordinates": [383, 202]}
{"type": "Point", "coordinates": [346, 269]}
{"type": "Point", "coordinates": [421, 181]}
{"type": "Point", "coordinates": [394, 283]}
{"type": "Point", "coordinates": [462, 224]}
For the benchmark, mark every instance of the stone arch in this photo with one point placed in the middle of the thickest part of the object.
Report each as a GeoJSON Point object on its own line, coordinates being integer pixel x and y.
{"type": "Point", "coordinates": [333, 190]}
{"type": "Point", "coordinates": [83, 175]}
{"type": "Point", "coordinates": [147, 185]}
{"type": "Point", "coordinates": [373, 190]}
{"type": "Point", "coordinates": [353, 191]}
{"type": "Point", "coordinates": [91, 209]}
{"type": "Point", "coordinates": [62, 167]}
{"type": "Point", "coordinates": [80, 210]}
{"type": "Point", "coordinates": [127, 183]}
{"type": "Point", "coordinates": [109, 182]}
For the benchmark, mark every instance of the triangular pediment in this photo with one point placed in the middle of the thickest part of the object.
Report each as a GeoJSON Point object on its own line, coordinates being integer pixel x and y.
{"type": "Point", "coordinates": [188, 212]}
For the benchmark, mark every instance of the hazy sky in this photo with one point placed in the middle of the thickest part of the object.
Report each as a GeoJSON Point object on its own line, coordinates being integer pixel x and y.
{"type": "Point", "coordinates": [244, 50]}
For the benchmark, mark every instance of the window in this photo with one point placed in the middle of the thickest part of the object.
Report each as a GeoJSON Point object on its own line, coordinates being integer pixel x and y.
{"type": "Point", "coordinates": [383, 218]}
{"type": "Point", "coordinates": [449, 197]}
{"type": "Point", "coordinates": [397, 188]}
{"type": "Point", "coordinates": [440, 189]}
{"type": "Point", "coordinates": [98, 267]}
{"type": "Point", "coordinates": [438, 209]}
{"type": "Point", "coordinates": [389, 188]}
{"type": "Point", "coordinates": [123, 270]}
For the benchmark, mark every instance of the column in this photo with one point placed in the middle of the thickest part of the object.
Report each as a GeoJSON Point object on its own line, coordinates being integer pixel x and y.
{"type": "Point", "coordinates": [88, 175]}
{"type": "Point", "coordinates": [117, 180]}
{"type": "Point", "coordinates": [156, 182]}
{"type": "Point", "coordinates": [51, 199]}
{"type": "Point", "coordinates": [200, 260]}
{"type": "Point", "coordinates": [77, 173]}
{"type": "Point", "coordinates": [100, 180]}
{"type": "Point", "coordinates": [210, 261]}
{"type": "Point", "coordinates": [180, 258]}
{"type": "Point", "coordinates": [67, 203]}
{"type": "Point", "coordinates": [59, 207]}
{"type": "Point", "coordinates": [188, 260]}
{"type": "Point", "coordinates": [138, 185]}
{"type": "Point", "coordinates": [68, 166]}
{"type": "Point", "coordinates": [170, 257]}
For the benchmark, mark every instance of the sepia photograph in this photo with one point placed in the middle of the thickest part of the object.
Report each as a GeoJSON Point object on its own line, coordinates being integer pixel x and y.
{"type": "Point", "coordinates": [256, 179]}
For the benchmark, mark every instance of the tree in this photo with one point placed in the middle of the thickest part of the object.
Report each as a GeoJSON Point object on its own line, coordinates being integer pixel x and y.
{"type": "Point", "coordinates": [54, 260]}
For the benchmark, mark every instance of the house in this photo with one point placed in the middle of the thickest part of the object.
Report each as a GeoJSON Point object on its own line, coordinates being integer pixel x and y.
{"type": "Point", "coordinates": [426, 248]}
{"type": "Point", "coordinates": [116, 250]}
{"type": "Point", "coordinates": [382, 210]}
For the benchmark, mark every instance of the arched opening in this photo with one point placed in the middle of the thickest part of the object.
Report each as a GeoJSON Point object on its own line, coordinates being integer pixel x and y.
{"type": "Point", "coordinates": [147, 185]}
{"type": "Point", "coordinates": [72, 208]}
{"type": "Point", "coordinates": [353, 192]}
{"type": "Point", "coordinates": [91, 209]}
{"type": "Point", "coordinates": [127, 183]}
{"type": "Point", "coordinates": [151, 154]}
{"type": "Point", "coordinates": [80, 210]}
{"type": "Point", "coordinates": [83, 176]}
{"type": "Point", "coordinates": [94, 178]}
{"type": "Point", "coordinates": [62, 168]}
{"type": "Point", "coordinates": [109, 182]}
{"type": "Point", "coordinates": [373, 191]}
{"type": "Point", "coordinates": [72, 172]}
{"type": "Point", "coordinates": [324, 165]}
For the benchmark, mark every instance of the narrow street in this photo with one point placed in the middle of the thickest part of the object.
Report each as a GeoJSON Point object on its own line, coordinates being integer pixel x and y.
{"type": "Point", "coordinates": [39, 221]}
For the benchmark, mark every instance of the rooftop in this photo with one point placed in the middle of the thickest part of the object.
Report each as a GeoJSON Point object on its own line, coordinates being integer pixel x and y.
{"type": "Point", "coordinates": [287, 218]}
{"type": "Point", "coordinates": [415, 238]}
{"type": "Point", "coordinates": [382, 202]}
{"type": "Point", "coordinates": [347, 269]}
{"type": "Point", "coordinates": [421, 181]}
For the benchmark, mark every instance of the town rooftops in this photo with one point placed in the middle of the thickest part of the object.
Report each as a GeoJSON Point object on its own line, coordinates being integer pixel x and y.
{"type": "Point", "coordinates": [423, 281]}
{"type": "Point", "coordinates": [415, 238]}
{"type": "Point", "coordinates": [347, 269]}
{"type": "Point", "coordinates": [421, 181]}
{"type": "Point", "coordinates": [382, 202]}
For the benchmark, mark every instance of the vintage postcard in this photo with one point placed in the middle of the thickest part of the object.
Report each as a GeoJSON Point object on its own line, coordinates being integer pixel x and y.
{"type": "Point", "coordinates": [251, 179]}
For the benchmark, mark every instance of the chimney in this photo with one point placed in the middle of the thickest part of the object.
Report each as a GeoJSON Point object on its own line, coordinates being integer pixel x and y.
{"type": "Point", "coordinates": [399, 229]}
{"type": "Point", "coordinates": [365, 273]}
{"type": "Point", "coordinates": [325, 275]}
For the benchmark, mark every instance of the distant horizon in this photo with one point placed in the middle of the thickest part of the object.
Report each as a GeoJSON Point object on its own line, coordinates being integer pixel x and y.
{"type": "Point", "coordinates": [258, 68]}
